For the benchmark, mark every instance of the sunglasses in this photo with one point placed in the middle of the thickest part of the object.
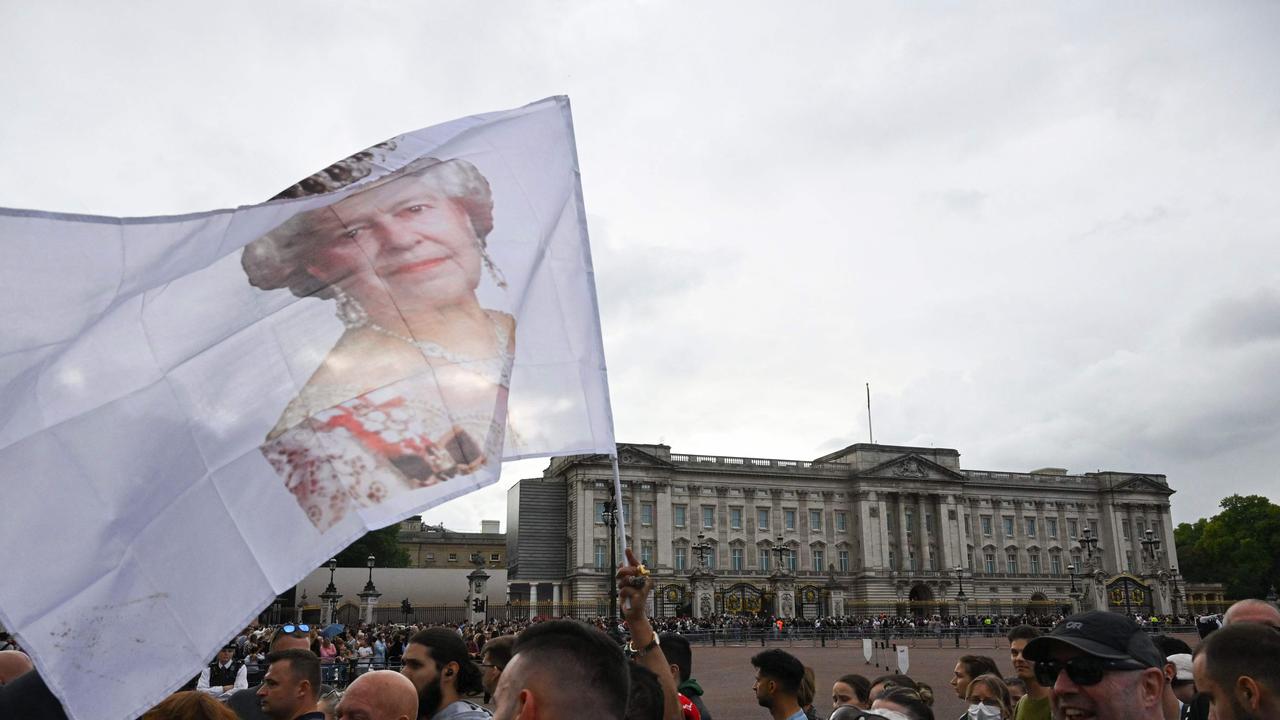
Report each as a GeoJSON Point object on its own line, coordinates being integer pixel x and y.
{"type": "Point", "coordinates": [1083, 670]}
{"type": "Point", "coordinates": [291, 629]}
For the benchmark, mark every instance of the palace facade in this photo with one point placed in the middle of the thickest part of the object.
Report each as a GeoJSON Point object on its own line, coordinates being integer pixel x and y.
{"type": "Point", "coordinates": [866, 530]}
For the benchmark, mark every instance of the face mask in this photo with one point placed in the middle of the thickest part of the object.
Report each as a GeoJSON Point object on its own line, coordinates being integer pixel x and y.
{"type": "Point", "coordinates": [978, 711]}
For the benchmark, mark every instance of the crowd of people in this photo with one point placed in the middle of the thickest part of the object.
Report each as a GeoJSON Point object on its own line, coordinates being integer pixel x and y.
{"type": "Point", "coordinates": [1088, 666]}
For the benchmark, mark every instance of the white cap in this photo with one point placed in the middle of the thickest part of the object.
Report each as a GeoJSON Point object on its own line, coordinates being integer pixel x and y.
{"type": "Point", "coordinates": [1182, 662]}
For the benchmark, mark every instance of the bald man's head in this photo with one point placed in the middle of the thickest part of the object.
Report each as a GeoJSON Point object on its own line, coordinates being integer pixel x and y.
{"type": "Point", "coordinates": [379, 695]}
{"type": "Point", "coordinates": [1253, 610]}
{"type": "Point", "coordinates": [13, 664]}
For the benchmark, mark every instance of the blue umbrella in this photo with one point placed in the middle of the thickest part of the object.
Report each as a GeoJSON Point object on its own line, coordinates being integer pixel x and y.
{"type": "Point", "coordinates": [333, 629]}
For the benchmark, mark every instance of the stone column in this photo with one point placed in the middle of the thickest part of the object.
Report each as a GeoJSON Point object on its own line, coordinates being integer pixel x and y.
{"type": "Point", "coordinates": [945, 528]}
{"type": "Point", "coordinates": [555, 599]}
{"type": "Point", "coordinates": [702, 593]}
{"type": "Point", "coordinates": [905, 550]}
{"type": "Point", "coordinates": [533, 599]}
{"type": "Point", "coordinates": [784, 595]}
{"type": "Point", "coordinates": [477, 596]}
{"type": "Point", "coordinates": [369, 601]}
{"type": "Point", "coordinates": [663, 526]}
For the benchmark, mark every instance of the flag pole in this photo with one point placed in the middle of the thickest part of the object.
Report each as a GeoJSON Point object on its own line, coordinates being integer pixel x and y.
{"type": "Point", "coordinates": [870, 434]}
{"type": "Point", "coordinates": [621, 517]}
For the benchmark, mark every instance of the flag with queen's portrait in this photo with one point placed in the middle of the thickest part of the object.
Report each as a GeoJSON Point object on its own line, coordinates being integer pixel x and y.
{"type": "Point", "coordinates": [196, 411]}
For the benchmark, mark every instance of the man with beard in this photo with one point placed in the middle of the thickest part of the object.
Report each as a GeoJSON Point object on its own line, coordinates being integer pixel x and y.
{"type": "Point", "coordinates": [439, 666]}
{"type": "Point", "coordinates": [1099, 665]}
{"type": "Point", "coordinates": [778, 678]}
{"type": "Point", "coordinates": [1238, 669]}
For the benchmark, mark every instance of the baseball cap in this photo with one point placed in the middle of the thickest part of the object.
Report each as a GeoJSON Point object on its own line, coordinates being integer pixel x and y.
{"type": "Point", "coordinates": [1182, 662]}
{"type": "Point", "coordinates": [1099, 633]}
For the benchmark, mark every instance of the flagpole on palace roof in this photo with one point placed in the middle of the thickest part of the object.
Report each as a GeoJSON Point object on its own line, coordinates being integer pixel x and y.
{"type": "Point", "coordinates": [870, 434]}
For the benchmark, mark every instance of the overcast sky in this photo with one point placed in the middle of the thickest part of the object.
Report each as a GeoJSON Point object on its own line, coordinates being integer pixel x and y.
{"type": "Point", "coordinates": [1047, 235]}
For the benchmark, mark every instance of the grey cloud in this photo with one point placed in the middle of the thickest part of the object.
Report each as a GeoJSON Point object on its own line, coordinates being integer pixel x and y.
{"type": "Point", "coordinates": [1240, 320]}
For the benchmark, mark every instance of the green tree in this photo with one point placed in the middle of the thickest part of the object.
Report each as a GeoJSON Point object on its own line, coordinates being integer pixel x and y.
{"type": "Point", "coordinates": [383, 544]}
{"type": "Point", "coordinates": [1239, 547]}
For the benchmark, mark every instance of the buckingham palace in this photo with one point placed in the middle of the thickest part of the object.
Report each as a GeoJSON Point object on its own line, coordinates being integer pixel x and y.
{"type": "Point", "coordinates": [868, 529]}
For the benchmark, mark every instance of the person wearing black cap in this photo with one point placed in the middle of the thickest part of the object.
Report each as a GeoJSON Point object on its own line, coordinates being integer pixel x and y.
{"type": "Point", "coordinates": [1099, 666]}
{"type": "Point", "coordinates": [224, 675]}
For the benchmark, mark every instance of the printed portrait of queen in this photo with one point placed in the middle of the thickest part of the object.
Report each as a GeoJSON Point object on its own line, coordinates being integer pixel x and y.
{"type": "Point", "coordinates": [414, 392]}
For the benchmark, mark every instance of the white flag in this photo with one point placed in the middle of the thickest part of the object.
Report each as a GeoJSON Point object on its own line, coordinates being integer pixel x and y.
{"type": "Point", "coordinates": [197, 411]}
{"type": "Point", "coordinates": [904, 659]}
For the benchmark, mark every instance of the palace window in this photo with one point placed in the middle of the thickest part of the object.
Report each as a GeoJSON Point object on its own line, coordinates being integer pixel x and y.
{"type": "Point", "coordinates": [1051, 527]}
{"type": "Point", "coordinates": [1035, 563]}
{"type": "Point", "coordinates": [1008, 526]}
{"type": "Point", "coordinates": [842, 521]}
{"type": "Point", "coordinates": [453, 557]}
{"type": "Point", "coordinates": [678, 515]}
{"type": "Point", "coordinates": [762, 518]}
{"type": "Point", "coordinates": [1055, 563]}
{"type": "Point", "coordinates": [893, 563]}
{"type": "Point", "coordinates": [735, 518]}
{"type": "Point", "coordinates": [1031, 527]}
{"type": "Point", "coordinates": [1073, 528]}
{"type": "Point", "coordinates": [735, 559]}
{"type": "Point", "coordinates": [1124, 529]}
{"type": "Point", "coordinates": [791, 559]}
{"type": "Point", "coordinates": [599, 512]}
{"type": "Point", "coordinates": [708, 516]}
{"type": "Point", "coordinates": [1011, 563]}
{"type": "Point", "coordinates": [646, 552]}
{"type": "Point", "coordinates": [843, 560]}
{"type": "Point", "coordinates": [909, 521]}
{"type": "Point", "coordinates": [986, 525]}
{"type": "Point", "coordinates": [764, 559]}
{"type": "Point", "coordinates": [682, 559]}
{"type": "Point", "coordinates": [601, 553]}
{"type": "Point", "coordinates": [646, 513]}
{"type": "Point", "coordinates": [815, 519]}
{"type": "Point", "coordinates": [789, 518]}
{"type": "Point", "coordinates": [819, 560]}
{"type": "Point", "coordinates": [928, 522]}
{"type": "Point", "coordinates": [989, 563]}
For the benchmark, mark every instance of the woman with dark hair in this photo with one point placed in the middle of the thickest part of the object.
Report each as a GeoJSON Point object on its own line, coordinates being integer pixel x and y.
{"type": "Point", "coordinates": [414, 393]}
{"type": "Point", "coordinates": [852, 690]}
{"type": "Point", "coordinates": [903, 700]}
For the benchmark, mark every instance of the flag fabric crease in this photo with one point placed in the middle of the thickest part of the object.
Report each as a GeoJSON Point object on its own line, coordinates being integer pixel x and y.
{"type": "Point", "coordinates": [197, 411]}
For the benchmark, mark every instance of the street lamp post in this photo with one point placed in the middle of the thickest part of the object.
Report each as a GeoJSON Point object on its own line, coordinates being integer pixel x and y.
{"type": "Point", "coordinates": [1173, 590]}
{"type": "Point", "coordinates": [370, 593]}
{"type": "Point", "coordinates": [610, 516]}
{"type": "Point", "coordinates": [961, 598]}
{"type": "Point", "coordinates": [330, 595]}
{"type": "Point", "coordinates": [1150, 548]}
{"type": "Point", "coordinates": [1089, 543]}
{"type": "Point", "coordinates": [781, 551]}
{"type": "Point", "coordinates": [368, 587]}
{"type": "Point", "coordinates": [702, 549]}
